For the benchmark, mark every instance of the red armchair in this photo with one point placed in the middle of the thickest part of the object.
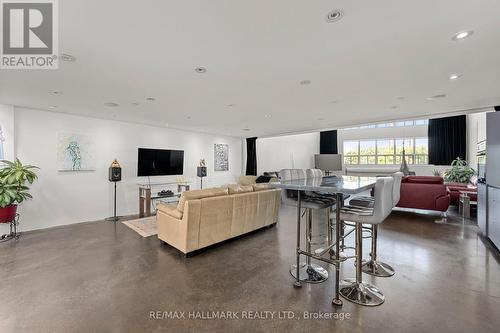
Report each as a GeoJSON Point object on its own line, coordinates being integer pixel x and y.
{"type": "Point", "coordinates": [424, 192]}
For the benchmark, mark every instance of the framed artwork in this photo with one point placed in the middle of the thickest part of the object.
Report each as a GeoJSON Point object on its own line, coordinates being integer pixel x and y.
{"type": "Point", "coordinates": [221, 157]}
{"type": "Point", "coordinates": [75, 152]}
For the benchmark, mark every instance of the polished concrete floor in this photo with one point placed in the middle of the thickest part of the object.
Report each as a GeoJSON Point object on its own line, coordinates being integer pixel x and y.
{"type": "Point", "coordinates": [102, 277]}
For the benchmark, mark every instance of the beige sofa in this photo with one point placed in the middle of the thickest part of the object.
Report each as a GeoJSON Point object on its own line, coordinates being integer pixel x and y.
{"type": "Point", "coordinates": [206, 217]}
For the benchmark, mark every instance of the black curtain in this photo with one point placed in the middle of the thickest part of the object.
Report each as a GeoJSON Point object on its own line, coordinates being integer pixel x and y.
{"type": "Point", "coordinates": [328, 142]}
{"type": "Point", "coordinates": [251, 157]}
{"type": "Point", "coordinates": [447, 139]}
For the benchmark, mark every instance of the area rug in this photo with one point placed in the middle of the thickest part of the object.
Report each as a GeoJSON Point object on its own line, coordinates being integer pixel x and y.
{"type": "Point", "coordinates": [145, 226]}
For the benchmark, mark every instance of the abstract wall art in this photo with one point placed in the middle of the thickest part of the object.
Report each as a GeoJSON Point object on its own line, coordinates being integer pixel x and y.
{"type": "Point", "coordinates": [221, 157]}
{"type": "Point", "coordinates": [75, 152]}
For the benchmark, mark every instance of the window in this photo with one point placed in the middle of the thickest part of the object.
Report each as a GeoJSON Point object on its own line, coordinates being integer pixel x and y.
{"type": "Point", "coordinates": [386, 151]}
{"type": "Point", "coordinates": [419, 122]}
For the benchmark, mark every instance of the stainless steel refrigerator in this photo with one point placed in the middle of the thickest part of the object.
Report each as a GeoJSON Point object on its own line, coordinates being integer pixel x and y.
{"type": "Point", "coordinates": [493, 177]}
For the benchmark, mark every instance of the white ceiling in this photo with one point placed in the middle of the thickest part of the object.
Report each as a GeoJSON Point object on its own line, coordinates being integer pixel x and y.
{"type": "Point", "coordinates": [256, 53]}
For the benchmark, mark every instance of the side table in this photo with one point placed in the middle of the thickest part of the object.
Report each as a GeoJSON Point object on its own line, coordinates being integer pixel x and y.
{"type": "Point", "coordinates": [465, 204]}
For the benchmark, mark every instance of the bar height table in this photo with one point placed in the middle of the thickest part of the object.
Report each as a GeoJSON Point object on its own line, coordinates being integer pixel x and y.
{"type": "Point", "coordinates": [339, 186]}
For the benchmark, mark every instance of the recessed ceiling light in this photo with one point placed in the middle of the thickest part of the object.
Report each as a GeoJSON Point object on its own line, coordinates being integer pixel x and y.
{"type": "Point", "coordinates": [52, 106]}
{"type": "Point", "coordinates": [67, 57]}
{"type": "Point", "coordinates": [334, 15]}
{"type": "Point", "coordinates": [111, 104]}
{"type": "Point", "coordinates": [56, 93]}
{"type": "Point", "coordinates": [267, 116]}
{"type": "Point", "coordinates": [247, 129]}
{"type": "Point", "coordinates": [305, 82]}
{"type": "Point", "coordinates": [200, 70]}
{"type": "Point", "coordinates": [150, 99]}
{"type": "Point", "coordinates": [431, 98]}
{"type": "Point", "coordinates": [455, 76]}
{"type": "Point", "coordinates": [462, 34]}
{"type": "Point", "coordinates": [166, 125]}
{"type": "Point", "coordinates": [134, 104]}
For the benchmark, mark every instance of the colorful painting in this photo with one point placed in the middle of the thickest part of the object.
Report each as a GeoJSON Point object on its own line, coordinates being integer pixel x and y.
{"type": "Point", "coordinates": [221, 161]}
{"type": "Point", "coordinates": [75, 152]}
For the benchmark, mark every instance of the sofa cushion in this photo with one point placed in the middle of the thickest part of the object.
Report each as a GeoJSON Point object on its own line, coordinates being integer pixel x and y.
{"type": "Point", "coordinates": [170, 210]}
{"type": "Point", "coordinates": [261, 187]}
{"type": "Point", "coordinates": [247, 180]}
{"type": "Point", "coordinates": [423, 179]}
{"type": "Point", "coordinates": [200, 194]}
{"type": "Point", "coordinates": [236, 188]}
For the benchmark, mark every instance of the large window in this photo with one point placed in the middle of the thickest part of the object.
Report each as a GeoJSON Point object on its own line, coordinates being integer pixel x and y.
{"type": "Point", "coordinates": [386, 151]}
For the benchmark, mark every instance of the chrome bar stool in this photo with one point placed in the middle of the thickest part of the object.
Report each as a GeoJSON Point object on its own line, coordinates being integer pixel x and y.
{"type": "Point", "coordinates": [374, 266]}
{"type": "Point", "coordinates": [355, 290]}
{"type": "Point", "coordinates": [308, 272]}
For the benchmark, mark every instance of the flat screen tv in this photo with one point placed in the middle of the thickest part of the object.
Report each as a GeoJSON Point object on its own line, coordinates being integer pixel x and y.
{"type": "Point", "coordinates": [160, 162]}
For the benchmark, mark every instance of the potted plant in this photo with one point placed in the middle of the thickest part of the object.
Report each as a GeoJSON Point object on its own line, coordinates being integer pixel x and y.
{"type": "Point", "coordinates": [460, 172]}
{"type": "Point", "coordinates": [13, 190]}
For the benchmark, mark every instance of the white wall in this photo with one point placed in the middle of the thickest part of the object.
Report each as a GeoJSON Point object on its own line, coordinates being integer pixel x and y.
{"type": "Point", "coordinates": [7, 131]}
{"type": "Point", "coordinates": [287, 152]}
{"type": "Point", "coordinates": [70, 197]}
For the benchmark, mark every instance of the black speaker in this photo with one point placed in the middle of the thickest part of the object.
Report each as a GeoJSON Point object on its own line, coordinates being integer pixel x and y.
{"type": "Point", "coordinates": [115, 174]}
{"type": "Point", "coordinates": [497, 108]}
{"type": "Point", "coordinates": [201, 172]}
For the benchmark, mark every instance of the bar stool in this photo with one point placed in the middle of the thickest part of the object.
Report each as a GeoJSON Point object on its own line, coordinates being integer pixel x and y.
{"type": "Point", "coordinates": [355, 290]}
{"type": "Point", "coordinates": [373, 266]}
{"type": "Point", "coordinates": [308, 272]}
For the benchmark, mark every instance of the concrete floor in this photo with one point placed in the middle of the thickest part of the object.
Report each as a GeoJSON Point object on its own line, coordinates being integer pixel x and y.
{"type": "Point", "coordinates": [101, 277]}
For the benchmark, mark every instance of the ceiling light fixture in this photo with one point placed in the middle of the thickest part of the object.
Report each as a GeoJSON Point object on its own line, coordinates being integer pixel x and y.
{"type": "Point", "coordinates": [267, 116]}
{"type": "Point", "coordinates": [150, 99]}
{"type": "Point", "coordinates": [436, 97]}
{"type": "Point", "coordinates": [67, 57]}
{"type": "Point", "coordinates": [462, 35]}
{"type": "Point", "coordinates": [455, 76]}
{"type": "Point", "coordinates": [56, 93]}
{"type": "Point", "coordinates": [200, 70]}
{"type": "Point", "coordinates": [52, 106]}
{"type": "Point", "coordinates": [247, 129]}
{"type": "Point", "coordinates": [111, 104]}
{"type": "Point", "coordinates": [134, 104]}
{"type": "Point", "coordinates": [334, 16]}
{"type": "Point", "coordinates": [305, 82]}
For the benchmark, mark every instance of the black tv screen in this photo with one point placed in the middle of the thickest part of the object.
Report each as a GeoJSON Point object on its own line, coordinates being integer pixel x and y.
{"type": "Point", "coordinates": [160, 162]}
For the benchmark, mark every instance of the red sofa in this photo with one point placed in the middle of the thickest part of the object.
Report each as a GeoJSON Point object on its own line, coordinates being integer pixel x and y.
{"type": "Point", "coordinates": [454, 191]}
{"type": "Point", "coordinates": [424, 192]}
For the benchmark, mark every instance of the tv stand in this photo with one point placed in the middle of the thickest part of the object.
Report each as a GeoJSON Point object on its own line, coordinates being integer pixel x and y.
{"type": "Point", "coordinates": [146, 198]}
